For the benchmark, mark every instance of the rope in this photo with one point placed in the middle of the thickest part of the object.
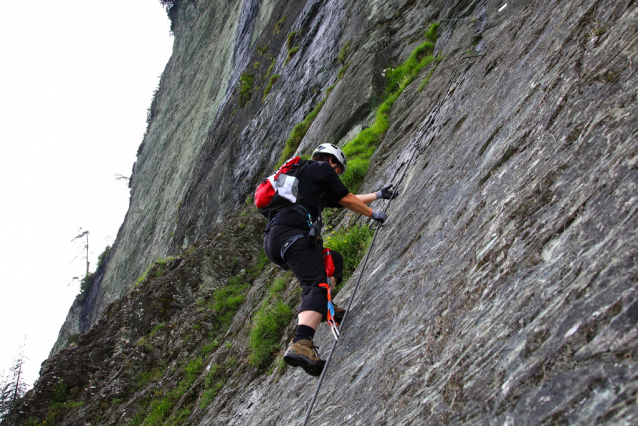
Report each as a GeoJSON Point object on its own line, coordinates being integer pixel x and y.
{"type": "Point", "coordinates": [365, 260]}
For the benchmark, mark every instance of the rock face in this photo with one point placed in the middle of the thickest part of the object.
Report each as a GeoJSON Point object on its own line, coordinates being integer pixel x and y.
{"type": "Point", "coordinates": [502, 290]}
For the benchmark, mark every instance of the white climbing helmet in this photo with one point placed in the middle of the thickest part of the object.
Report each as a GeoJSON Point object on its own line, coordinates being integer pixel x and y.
{"type": "Point", "coordinates": [328, 148]}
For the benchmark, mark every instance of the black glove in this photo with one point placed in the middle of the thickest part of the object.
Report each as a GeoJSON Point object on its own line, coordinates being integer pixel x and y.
{"type": "Point", "coordinates": [379, 216]}
{"type": "Point", "coordinates": [387, 193]}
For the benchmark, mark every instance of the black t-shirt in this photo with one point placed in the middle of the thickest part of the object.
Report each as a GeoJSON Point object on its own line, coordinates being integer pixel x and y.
{"type": "Point", "coordinates": [319, 187]}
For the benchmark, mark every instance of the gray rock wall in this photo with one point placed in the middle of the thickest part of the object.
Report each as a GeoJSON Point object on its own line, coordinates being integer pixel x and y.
{"type": "Point", "coordinates": [204, 39]}
{"type": "Point", "coordinates": [503, 288]}
{"type": "Point", "coordinates": [213, 40]}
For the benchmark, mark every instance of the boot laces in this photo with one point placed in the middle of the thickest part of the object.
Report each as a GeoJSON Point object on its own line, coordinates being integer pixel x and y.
{"type": "Point", "coordinates": [314, 349]}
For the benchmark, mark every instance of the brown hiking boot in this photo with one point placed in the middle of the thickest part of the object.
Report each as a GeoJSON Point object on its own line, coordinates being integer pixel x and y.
{"type": "Point", "coordinates": [339, 313]}
{"type": "Point", "coordinates": [302, 354]}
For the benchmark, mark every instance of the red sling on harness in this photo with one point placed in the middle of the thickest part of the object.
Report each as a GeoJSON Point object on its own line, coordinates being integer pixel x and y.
{"type": "Point", "coordinates": [328, 262]}
{"type": "Point", "coordinates": [330, 270]}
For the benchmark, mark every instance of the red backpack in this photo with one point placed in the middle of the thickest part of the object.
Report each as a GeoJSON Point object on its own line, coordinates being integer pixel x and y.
{"type": "Point", "coordinates": [280, 190]}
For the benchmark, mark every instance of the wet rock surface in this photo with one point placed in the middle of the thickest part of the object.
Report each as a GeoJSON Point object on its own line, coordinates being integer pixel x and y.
{"type": "Point", "coordinates": [502, 290]}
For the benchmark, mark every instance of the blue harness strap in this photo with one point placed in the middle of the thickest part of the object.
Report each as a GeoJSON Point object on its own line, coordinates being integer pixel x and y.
{"type": "Point", "coordinates": [284, 247]}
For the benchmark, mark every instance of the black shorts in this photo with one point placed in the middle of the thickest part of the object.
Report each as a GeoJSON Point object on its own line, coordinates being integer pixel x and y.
{"type": "Point", "coordinates": [305, 262]}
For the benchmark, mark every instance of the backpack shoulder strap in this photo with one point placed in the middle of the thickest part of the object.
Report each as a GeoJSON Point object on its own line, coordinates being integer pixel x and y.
{"type": "Point", "coordinates": [302, 165]}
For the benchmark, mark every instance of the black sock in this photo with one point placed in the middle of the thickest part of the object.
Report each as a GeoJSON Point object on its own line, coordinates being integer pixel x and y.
{"type": "Point", "coordinates": [303, 332]}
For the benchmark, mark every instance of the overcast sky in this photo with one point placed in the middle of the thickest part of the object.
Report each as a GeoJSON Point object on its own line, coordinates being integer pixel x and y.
{"type": "Point", "coordinates": [76, 80]}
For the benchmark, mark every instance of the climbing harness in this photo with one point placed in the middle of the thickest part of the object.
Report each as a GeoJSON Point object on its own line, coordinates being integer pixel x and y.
{"type": "Point", "coordinates": [284, 248]}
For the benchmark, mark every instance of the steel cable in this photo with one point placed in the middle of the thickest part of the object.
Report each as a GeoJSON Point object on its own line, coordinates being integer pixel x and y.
{"type": "Point", "coordinates": [365, 260]}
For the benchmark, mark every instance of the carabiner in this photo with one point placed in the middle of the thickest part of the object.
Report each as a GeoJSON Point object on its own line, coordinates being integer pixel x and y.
{"type": "Point", "coordinates": [334, 328]}
{"type": "Point", "coordinates": [375, 225]}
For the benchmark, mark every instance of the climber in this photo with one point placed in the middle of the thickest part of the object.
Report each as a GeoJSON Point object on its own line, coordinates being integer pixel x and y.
{"type": "Point", "coordinates": [287, 244]}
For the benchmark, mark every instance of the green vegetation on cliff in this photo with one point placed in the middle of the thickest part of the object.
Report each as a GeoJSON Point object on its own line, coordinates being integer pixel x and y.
{"type": "Point", "coordinates": [360, 149]}
{"type": "Point", "coordinates": [271, 317]}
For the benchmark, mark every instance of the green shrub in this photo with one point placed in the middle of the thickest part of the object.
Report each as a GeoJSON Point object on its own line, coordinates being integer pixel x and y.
{"type": "Point", "coordinates": [60, 392]}
{"type": "Point", "coordinates": [356, 172]}
{"type": "Point", "coordinates": [165, 260]}
{"type": "Point", "coordinates": [261, 262]}
{"type": "Point", "coordinates": [72, 339]}
{"type": "Point", "coordinates": [343, 53]}
{"type": "Point", "coordinates": [210, 376]}
{"type": "Point", "coordinates": [290, 40]}
{"type": "Point", "coordinates": [271, 66]}
{"type": "Point", "coordinates": [291, 53]}
{"type": "Point", "coordinates": [342, 71]}
{"type": "Point", "coordinates": [209, 394]}
{"type": "Point", "coordinates": [157, 329]}
{"type": "Point", "coordinates": [405, 73]}
{"type": "Point", "coordinates": [213, 384]}
{"type": "Point", "coordinates": [146, 377]}
{"type": "Point", "coordinates": [143, 277]}
{"type": "Point", "coordinates": [206, 349]}
{"type": "Point", "coordinates": [138, 418]}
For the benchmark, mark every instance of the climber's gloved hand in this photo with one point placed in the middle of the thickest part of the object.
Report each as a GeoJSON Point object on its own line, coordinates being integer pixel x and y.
{"type": "Point", "coordinates": [387, 193]}
{"type": "Point", "coordinates": [379, 216]}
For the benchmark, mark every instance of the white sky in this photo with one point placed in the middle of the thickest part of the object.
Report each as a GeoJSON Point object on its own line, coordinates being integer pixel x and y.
{"type": "Point", "coordinates": [76, 79]}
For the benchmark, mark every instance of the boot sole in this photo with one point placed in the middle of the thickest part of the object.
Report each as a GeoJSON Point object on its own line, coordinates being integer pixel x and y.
{"type": "Point", "coordinates": [310, 367]}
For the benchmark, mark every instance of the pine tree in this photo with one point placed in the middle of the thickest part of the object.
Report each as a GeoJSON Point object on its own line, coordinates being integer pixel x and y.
{"type": "Point", "coordinates": [12, 386]}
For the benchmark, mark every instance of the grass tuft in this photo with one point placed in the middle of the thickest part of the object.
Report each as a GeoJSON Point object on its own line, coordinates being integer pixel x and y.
{"type": "Point", "coordinates": [227, 300]}
{"type": "Point", "coordinates": [271, 82]}
{"type": "Point", "coordinates": [361, 147]}
{"type": "Point", "coordinates": [352, 244]}
{"type": "Point", "coordinates": [245, 88]}
{"type": "Point", "coordinates": [269, 320]}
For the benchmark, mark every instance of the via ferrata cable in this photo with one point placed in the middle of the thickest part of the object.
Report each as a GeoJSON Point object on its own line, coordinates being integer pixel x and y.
{"type": "Point", "coordinates": [375, 227]}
